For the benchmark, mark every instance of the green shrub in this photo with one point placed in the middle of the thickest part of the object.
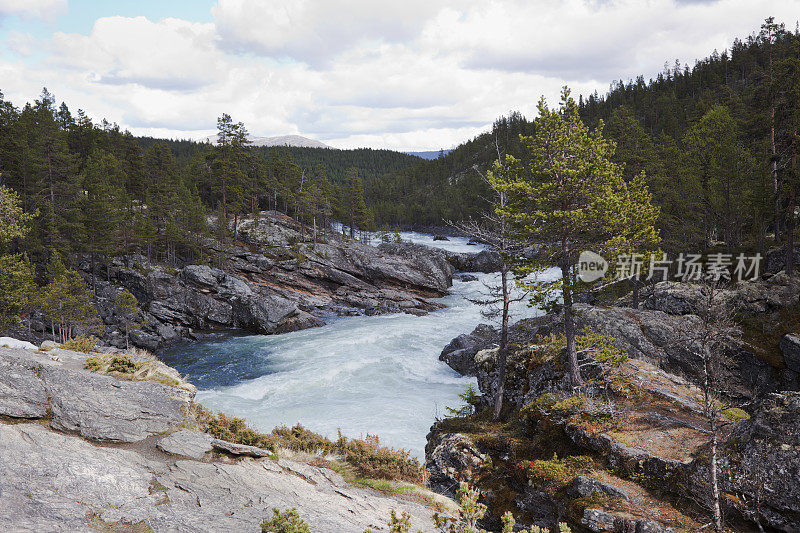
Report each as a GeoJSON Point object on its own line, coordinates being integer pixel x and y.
{"type": "Point", "coordinates": [556, 471]}
{"type": "Point", "coordinates": [601, 347]}
{"type": "Point", "coordinates": [285, 522]}
{"type": "Point", "coordinates": [81, 344]}
{"type": "Point", "coordinates": [123, 364]}
{"type": "Point", "coordinates": [94, 363]}
{"type": "Point", "coordinates": [557, 404]}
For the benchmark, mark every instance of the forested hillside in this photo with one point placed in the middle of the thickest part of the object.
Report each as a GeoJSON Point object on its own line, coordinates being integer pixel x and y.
{"type": "Point", "coordinates": [369, 163]}
{"type": "Point", "coordinates": [718, 143]}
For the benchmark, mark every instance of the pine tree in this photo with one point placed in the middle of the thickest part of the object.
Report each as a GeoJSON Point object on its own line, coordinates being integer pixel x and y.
{"type": "Point", "coordinates": [355, 207]}
{"type": "Point", "coordinates": [126, 307]}
{"type": "Point", "coordinates": [568, 198]}
{"type": "Point", "coordinates": [722, 168]}
{"type": "Point", "coordinates": [103, 204]}
{"type": "Point", "coordinates": [230, 167]}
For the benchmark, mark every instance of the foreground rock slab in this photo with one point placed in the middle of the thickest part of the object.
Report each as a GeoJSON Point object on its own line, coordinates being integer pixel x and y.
{"type": "Point", "coordinates": [34, 385]}
{"type": "Point", "coordinates": [85, 451]}
{"type": "Point", "coordinates": [56, 482]}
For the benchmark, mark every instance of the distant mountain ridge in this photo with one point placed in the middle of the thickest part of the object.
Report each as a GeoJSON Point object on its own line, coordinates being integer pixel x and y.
{"type": "Point", "coordinates": [280, 140]}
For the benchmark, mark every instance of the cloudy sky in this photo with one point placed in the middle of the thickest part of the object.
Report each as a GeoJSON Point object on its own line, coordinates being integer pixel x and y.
{"type": "Point", "coordinates": [410, 75]}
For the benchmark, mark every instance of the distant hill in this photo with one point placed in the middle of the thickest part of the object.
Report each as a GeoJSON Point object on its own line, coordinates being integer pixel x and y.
{"type": "Point", "coordinates": [279, 140]}
{"type": "Point", "coordinates": [431, 154]}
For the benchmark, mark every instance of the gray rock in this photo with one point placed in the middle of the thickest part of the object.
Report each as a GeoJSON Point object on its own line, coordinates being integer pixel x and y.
{"type": "Point", "coordinates": [767, 453]}
{"type": "Point", "coordinates": [666, 341]}
{"type": "Point", "coordinates": [459, 354]}
{"type": "Point", "coordinates": [598, 521]}
{"type": "Point", "coordinates": [10, 342]}
{"type": "Point", "coordinates": [790, 347]}
{"type": "Point", "coordinates": [239, 449]}
{"type": "Point", "coordinates": [450, 460]}
{"type": "Point", "coordinates": [201, 275]}
{"type": "Point", "coordinates": [102, 407]}
{"type": "Point", "coordinates": [484, 261]}
{"type": "Point", "coordinates": [22, 393]}
{"type": "Point", "coordinates": [57, 482]}
{"type": "Point", "coordinates": [583, 486]}
{"type": "Point", "coordinates": [188, 443]}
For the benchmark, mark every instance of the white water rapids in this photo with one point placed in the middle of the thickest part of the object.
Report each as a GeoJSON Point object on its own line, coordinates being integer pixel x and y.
{"type": "Point", "coordinates": [378, 375]}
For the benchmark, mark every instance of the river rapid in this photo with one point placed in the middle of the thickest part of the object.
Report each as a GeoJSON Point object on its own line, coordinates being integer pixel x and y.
{"type": "Point", "coordinates": [379, 375]}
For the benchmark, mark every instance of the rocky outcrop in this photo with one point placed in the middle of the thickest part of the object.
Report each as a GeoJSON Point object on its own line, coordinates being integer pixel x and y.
{"type": "Point", "coordinates": [746, 298]}
{"type": "Point", "coordinates": [280, 282]}
{"type": "Point", "coordinates": [103, 452]}
{"type": "Point", "coordinates": [763, 455]}
{"type": "Point", "coordinates": [451, 459]}
{"type": "Point", "coordinates": [95, 406]}
{"type": "Point", "coordinates": [459, 354]}
{"type": "Point", "coordinates": [643, 421]}
{"type": "Point", "coordinates": [669, 342]}
{"type": "Point", "coordinates": [485, 261]}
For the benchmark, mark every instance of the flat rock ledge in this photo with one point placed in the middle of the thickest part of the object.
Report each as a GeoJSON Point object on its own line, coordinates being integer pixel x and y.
{"type": "Point", "coordinates": [82, 451]}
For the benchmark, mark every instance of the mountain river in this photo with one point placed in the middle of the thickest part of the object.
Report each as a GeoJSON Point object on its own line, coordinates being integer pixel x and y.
{"type": "Point", "coordinates": [368, 374]}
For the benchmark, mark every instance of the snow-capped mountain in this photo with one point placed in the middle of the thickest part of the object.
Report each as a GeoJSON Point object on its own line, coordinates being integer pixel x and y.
{"type": "Point", "coordinates": [279, 140]}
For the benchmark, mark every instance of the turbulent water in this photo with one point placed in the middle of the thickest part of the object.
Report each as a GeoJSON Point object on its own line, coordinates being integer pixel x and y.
{"type": "Point", "coordinates": [378, 375]}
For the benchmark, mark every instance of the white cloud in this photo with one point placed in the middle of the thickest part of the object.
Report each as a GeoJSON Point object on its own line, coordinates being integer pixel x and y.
{"type": "Point", "coordinates": [171, 54]}
{"type": "Point", "coordinates": [41, 9]}
{"type": "Point", "coordinates": [418, 75]}
{"type": "Point", "coordinates": [316, 31]}
{"type": "Point", "coordinates": [20, 43]}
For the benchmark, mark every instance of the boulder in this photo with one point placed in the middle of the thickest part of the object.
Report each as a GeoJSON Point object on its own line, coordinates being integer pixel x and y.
{"type": "Point", "coordinates": [459, 354]}
{"type": "Point", "coordinates": [790, 347]}
{"type": "Point", "coordinates": [187, 443]}
{"type": "Point", "coordinates": [9, 342]}
{"type": "Point", "coordinates": [485, 261]}
{"type": "Point", "coordinates": [763, 455]}
{"type": "Point", "coordinates": [583, 486]}
{"type": "Point", "coordinates": [202, 275]}
{"type": "Point", "coordinates": [451, 460]}
{"type": "Point", "coordinates": [239, 449]}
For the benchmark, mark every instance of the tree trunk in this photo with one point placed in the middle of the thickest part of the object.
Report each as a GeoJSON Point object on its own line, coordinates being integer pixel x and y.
{"type": "Point", "coordinates": [790, 234]}
{"type": "Point", "coordinates": [315, 229]}
{"type": "Point", "coordinates": [774, 161]}
{"type": "Point", "coordinates": [502, 352]}
{"type": "Point", "coordinates": [569, 327]}
{"type": "Point", "coordinates": [790, 221]}
{"type": "Point", "coordinates": [714, 481]}
{"type": "Point", "coordinates": [352, 225]}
